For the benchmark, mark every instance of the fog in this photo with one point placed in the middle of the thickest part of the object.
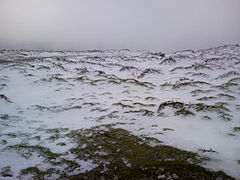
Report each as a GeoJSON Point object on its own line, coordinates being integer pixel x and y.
{"type": "Point", "coordinates": [159, 25]}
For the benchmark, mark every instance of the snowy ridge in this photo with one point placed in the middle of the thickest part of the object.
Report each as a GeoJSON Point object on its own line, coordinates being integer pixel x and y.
{"type": "Point", "coordinates": [188, 99]}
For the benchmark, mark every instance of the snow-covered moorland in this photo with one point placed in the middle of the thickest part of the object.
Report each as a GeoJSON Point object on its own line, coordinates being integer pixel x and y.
{"type": "Point", "coordinates": [67, 114]}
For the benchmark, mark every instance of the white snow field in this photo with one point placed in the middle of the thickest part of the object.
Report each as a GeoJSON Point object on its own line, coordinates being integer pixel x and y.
{"type": "Point", "coordinates": [188, 99]}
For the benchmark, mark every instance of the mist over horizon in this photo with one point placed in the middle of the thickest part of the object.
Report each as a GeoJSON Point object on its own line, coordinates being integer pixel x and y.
{"type": "Point", "coordinates": [112, 24]}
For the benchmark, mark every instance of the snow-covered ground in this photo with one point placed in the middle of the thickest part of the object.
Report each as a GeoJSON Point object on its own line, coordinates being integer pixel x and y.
{"type": "Point", "coordinates": [187, 99]}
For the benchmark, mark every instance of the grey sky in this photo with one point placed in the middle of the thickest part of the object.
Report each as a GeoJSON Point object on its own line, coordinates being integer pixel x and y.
{"type": "Point", "coordinates": [160, 25]}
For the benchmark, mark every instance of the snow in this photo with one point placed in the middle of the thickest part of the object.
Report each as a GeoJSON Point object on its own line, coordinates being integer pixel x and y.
{"type": "Point", "coordinates": [77, 90]}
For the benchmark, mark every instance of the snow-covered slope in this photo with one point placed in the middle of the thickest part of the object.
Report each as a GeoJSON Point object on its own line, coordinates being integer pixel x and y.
{"type": "Point", "coordinates": [188, 99]}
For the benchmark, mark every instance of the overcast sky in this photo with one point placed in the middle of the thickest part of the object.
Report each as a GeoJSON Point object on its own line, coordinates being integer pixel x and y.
{"type": "Point", "coordinates": [159, 25]}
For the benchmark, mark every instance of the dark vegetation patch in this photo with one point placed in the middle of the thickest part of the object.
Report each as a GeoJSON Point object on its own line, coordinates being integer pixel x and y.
{"type": "Point", "coordinates": [111, 115]}
{"type": "Point", "coordinates": [123, 105]}
{"type": "Point", "coordinates": [6, 172]}
{"type": "Point", "coordinates": [3, 85]}
{"type": "Point", "coordinates": [56, 109]}
{"type": "Point", "coordinates": [27, 151]}
{"type": "Point", "coordinates": [128, 68]}
{"type": "Point", "coordinates": [207, 150]}
{"type": "Point", "coordinates": [99, 109]}
{"type": "Point", "coordinates": [143, 112]}
{"type": "Point", "coordinates": [168, 129]}
{"type": "Point", "coordinates": [201, 91]}
{"type": "Point", "coordinates": [5, 98]}
{"type": "Point", "coordinates": [180, 84]}
{"type": "Point", "coordinates": [148, 71]}
{"type": "Point", "coordinates": [196, 66]}
{"type": "Point", "coordinates": [118, 81]}
{"type": "Point", "coordinates": [207, 98]}
{"type": "Point", "coordinates": [226, 86]}
{"type": "Point", "coordinates": [236, 129]}
{"type": "Point", "coordinates": [117, 154]}
{"type": "Point", "coordinates": [200, 74]}
{"type": "Point", "coordinates": [228, 74]}
{"type": "Point", "coordinates": [158, 54]}
{"type": "Point", "coordinates": [150, 98]}
{"type": "Point", "coordinates": [227, 96]}
{"type": "Point", "coordinates": [4, 61]}
{"type": "Point", "coordinates": [181, 108]}
{"type": "Point", "coordinates": [168, 60]}
{"type": "Point", "coordinates": [206, 118]}
{"type": "Point", "coordinates": [191, 83]}
{"type": "Point", "coordinates": [59, 66]}
{"type": "Point", "coordinates": [234, 80]}
{"type": "Point", "coordinates": [4, 116]}
{"type": "Point", "coordinates": [214, 60]}
{"type": "Point", "coordinates": [51, 79]}
{"type": "Point", "coordinates": [144, 105]}
{"type": "Point", "coordinates": [41, 67]}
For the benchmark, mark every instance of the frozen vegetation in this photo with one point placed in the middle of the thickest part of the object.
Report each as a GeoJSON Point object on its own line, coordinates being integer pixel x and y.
{"type": "Point", "coordinates": [120, 114]}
